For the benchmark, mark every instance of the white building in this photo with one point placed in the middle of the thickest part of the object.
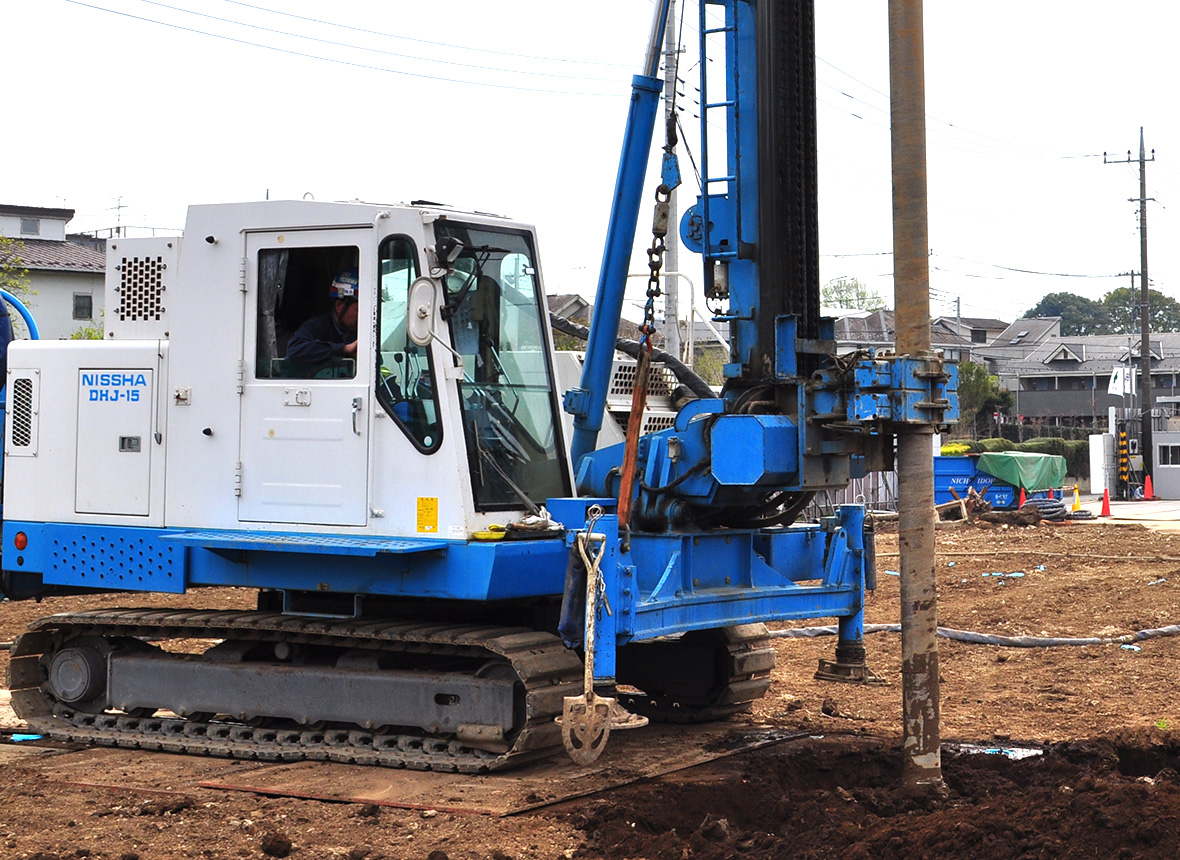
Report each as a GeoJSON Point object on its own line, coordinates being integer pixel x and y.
{"type": "Point", "coordinates": [67, 277]}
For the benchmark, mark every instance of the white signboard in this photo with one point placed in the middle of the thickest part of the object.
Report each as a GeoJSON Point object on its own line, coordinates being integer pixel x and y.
{"type": "Point", "coordinates": [1122, 381]}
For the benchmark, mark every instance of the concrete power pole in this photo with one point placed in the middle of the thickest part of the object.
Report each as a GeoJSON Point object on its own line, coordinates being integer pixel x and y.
{"type": "Point", "coordinates": [922, 733]}
{"type": "Point", "coordinates": [1146, 400]}
{"type": "Point", "coordinates": [671, 263]}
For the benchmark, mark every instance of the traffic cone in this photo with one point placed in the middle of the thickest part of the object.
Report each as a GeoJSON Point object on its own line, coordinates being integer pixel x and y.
{"type": "Point", "coordinates": [1077, 499]}
{"type": "Point", "coordinates": [1148, 490]}
{"type": "Point", "coordinates": [1105, 503]}
{"type": "Point", "coordinates": [1021, 505]}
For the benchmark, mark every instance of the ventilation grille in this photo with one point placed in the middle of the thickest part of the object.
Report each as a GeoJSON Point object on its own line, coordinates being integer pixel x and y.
{"type": "Point", "coordinates": [117, 561]}
{"type": "Point", "coordinates": [141, 289]}
{"type": "Point", "coordinates": [22, 412]}
{"type": "Point", "coordinates": [653, 422]}
{"type": "Point", "coordinates": [661, 382]}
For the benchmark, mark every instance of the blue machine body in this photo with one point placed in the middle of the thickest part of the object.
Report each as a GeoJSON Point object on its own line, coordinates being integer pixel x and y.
{"type": "Point", "coordinates": [712, 541]}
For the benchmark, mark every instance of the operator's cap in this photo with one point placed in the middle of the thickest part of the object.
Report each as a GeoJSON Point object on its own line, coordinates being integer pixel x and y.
{"type": "Point", "coordinates": [345, 285]}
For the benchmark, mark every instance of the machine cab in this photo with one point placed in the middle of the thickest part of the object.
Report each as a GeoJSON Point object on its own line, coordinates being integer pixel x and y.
{"type": "Point", "coordinates": [349, 419]}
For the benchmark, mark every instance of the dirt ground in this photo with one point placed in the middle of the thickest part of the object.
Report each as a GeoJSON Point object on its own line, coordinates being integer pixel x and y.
{"type": "Point", "coordinates": [1102, 781]}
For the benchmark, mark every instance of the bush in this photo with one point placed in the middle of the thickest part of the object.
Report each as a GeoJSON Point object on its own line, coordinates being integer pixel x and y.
{"type": "Point", "coordinates": [970, 446]}
{"type": "Point", "coordinates": [955, 449]}
{"type": "Point", "coordinates": [1047, 445]}
{"type": "Point", "coordinates": [1077, 459]}
{"type": "Point", "coordinates": [991, 445]}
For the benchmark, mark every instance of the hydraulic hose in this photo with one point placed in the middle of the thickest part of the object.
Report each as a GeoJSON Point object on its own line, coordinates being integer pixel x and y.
{"type": "Point", "coordinates": [682, 371]}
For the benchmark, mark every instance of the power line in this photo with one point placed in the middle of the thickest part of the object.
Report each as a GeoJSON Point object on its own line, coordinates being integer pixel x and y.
{"type": "Point", "coordinates": [355, 47]}
{"type": "Point", "coordinates": [1030, 150]}
{"type": "Point", "coordinates": [423, 41]}
{"type": "Point", "coordinates": [338, 62]}
{"type": "Point", "coordinates": [1024, 271]}
{"type": "Point", "coordinates": [978, 263]}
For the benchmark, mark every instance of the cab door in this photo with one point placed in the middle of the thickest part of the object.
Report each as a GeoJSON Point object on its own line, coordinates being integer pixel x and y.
{"type": "Point", "coordinates": [304, 425]}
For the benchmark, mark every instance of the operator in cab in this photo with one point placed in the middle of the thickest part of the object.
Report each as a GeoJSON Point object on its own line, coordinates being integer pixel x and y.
{"type": "Point", "coordinates": [333, 334]}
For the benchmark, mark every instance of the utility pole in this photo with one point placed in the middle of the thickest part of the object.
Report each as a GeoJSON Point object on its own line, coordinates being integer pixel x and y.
{"type": "Point", "coordinates": [671, 285]}
{"type": "Point", "coordinates": [922, 733]}
{"type": "Point", "coordinates": [959, 316]}
{"type": "Point", "coordinates": [1146, 400]}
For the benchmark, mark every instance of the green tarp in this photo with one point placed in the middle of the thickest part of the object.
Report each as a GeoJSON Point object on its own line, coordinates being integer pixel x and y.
{"type": "Point", "coordinates": [1021, 469]}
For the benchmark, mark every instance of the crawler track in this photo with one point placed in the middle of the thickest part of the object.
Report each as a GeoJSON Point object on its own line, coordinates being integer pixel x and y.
{"type": "Point", "coordinates": [543, 669]}
{"type": "Point", "coordinates": [702, 676]}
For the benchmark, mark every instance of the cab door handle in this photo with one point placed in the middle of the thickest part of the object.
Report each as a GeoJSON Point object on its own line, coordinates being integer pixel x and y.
{"type": "Point", "coordinates": [356, 410]}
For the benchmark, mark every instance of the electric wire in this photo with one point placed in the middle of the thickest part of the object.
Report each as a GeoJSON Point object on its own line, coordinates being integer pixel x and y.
{"type": "Point", "coordinates": [355, 47]}
{"type": "Point", "coordinates": [337, 61]}
{"type": "Point", "coordinates": [423, 41]}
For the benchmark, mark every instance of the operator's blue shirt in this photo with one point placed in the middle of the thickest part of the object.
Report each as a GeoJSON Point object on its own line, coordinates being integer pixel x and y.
{"type": "Point", "coordinates": [318, 339]}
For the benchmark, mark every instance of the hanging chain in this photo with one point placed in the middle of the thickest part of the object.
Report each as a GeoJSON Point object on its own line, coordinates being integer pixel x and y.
{"type": "Point", "coordinates": [655, 262]}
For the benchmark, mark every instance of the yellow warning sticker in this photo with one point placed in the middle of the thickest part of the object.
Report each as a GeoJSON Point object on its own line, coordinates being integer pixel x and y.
{"type": "Point", "coordinates": [427, 515]}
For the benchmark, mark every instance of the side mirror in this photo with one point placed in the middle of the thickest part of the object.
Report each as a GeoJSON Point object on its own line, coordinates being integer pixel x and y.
{"type": "Point", "coordinates": [420, 308]}
{"type": "Point", "coordinates": [420, 322]}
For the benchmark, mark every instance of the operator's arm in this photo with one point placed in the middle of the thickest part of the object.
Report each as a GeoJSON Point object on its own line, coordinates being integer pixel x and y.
{"type": "Point", "coordinates": [315, 341]}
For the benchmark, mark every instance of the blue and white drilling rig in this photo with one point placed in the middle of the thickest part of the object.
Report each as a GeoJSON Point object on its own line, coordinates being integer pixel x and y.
{"type": "Point", "coordinates": [444, 580]}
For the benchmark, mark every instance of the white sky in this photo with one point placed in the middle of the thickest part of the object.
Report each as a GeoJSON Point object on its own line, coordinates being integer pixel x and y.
{"type": "Point", "coordinates": [465, 102]}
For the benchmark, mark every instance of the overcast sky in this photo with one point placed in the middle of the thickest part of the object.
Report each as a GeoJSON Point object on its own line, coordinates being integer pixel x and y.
{"type": "Point", "coordinates": [518, 107]}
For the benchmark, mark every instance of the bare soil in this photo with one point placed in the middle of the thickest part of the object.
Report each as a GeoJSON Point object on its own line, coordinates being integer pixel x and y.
{"type": "Point", "coordinates": [1103, 783]}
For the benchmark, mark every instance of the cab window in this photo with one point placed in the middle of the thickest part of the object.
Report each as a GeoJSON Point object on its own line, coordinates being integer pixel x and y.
{"type": "Point", "coordinates": [406, 386]}
{"type": "Point", "coordinates": [302, 327]}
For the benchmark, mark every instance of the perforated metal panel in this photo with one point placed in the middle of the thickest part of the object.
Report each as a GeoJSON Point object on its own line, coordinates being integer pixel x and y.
{"type": "Point", "coordinates": [661, 382]}
{"type": "Point", "coordinates": [140, 272]}
{"type": "Point", "coordinates": [654, 420]}
{"type": "Point", "coordinates": [141, 289]}
{"type": "Point", "coordinates": [22, 412]}
{"type": "Point", "coordinates": [101, 558]}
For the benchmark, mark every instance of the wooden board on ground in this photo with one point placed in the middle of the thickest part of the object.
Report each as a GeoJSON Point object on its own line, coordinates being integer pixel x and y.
{"type": "Point", "coordinates": [630, 756]}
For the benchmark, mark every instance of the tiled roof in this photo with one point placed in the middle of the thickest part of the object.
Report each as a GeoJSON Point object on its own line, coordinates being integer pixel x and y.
{"type": "Point", "coordinates": [1096, 354]}
{"type": "Point", "coordinates": [36, 212]}
{"type": "Point", "coordinates": [974, 322]}
{"type": "Point", "coordinates": [1026, 331]}
{"type": "Point", "coordinates": [54, 256]}
{"type": "Point", "coordinates": [878, 327]}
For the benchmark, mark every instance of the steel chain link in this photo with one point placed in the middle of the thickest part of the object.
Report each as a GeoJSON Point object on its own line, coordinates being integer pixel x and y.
{"type": "Point", "coordinates": [655, 262]}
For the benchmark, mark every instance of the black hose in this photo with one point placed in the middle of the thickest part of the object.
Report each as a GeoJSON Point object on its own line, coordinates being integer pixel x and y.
{"type": "Point", "coordinates": [974, 638]}
{"type": "Point", "coordinates": [684, 374]}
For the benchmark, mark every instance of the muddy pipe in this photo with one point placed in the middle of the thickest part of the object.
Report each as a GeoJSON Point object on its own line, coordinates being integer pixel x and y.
{"type": "Point", "coordinates": [915, 462]}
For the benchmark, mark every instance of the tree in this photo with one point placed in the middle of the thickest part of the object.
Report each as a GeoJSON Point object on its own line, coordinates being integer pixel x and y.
{"type": "Point", "coordinates": [851, 294]}
{"type": "Point", "coordinates": [1079, 315]}
{"type": "Point", "coordinates": [980, 396]}
{"type": "Point", "coordinates": [1123, 306]}
{"type": "Point", "coordinates": [14, 277]}
{"type": "Point", "coordinates": [91, 331]}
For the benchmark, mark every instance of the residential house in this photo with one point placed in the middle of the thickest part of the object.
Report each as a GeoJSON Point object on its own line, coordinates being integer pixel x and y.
{"type": "Point", "coordinates": [874, 329]}
{"type": "Point", "coordinates": [979, 330]}
{"type": "Point", "coordinates": [1018, 341]}
{"type": "Point", "coordinates": [1063, 381]}
{"type": "Point", "coordinates": [66, 276]}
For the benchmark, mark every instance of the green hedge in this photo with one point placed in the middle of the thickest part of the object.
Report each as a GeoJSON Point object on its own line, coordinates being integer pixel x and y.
{"type": "Point", "coordinates": [1077, 458]}
{"type": "Point", "coordinates": [988, 446]}
{"type": "Point", "coordinates": [1047, 445]}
